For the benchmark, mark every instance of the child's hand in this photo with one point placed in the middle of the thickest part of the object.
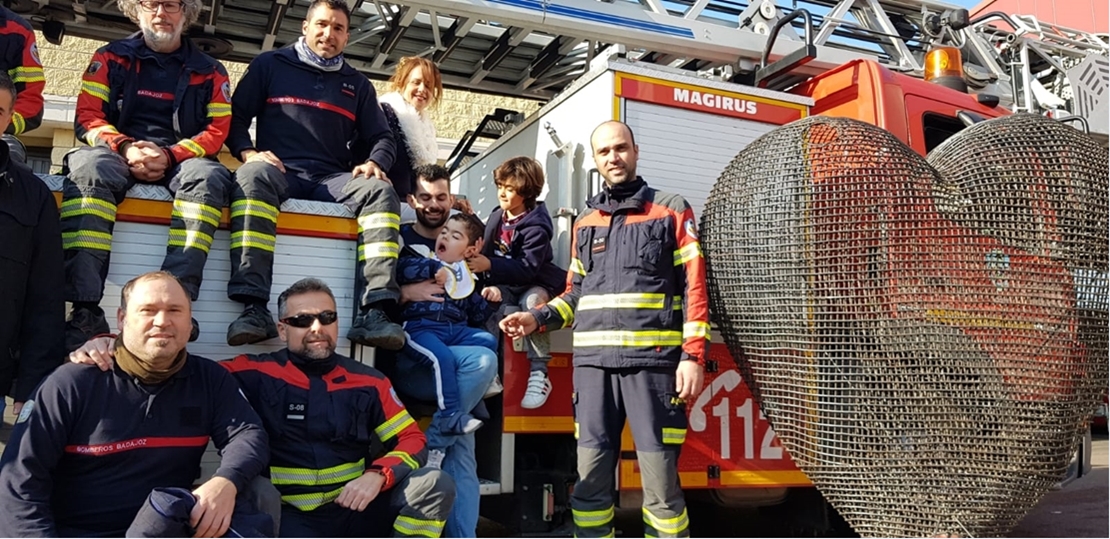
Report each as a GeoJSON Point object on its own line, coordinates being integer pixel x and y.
{"type": "Point", "coordinates": [492, 294]}
{"type": "Point", "coordinates": [441, 276]}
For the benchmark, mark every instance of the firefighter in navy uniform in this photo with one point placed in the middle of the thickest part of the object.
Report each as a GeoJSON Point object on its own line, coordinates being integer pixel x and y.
{"type": "Point", "coordinates": [637, 299]}
{"type": "Point", "coordinates": [320, 136]}
{"type": "Point", "coordinates": [153, 108]}
{"type": "Point", "coordinates": [21, 62]}
{"type": "Point", "coordinates": [345, 454]}
{"type": "Point", "coordinates": [91, 445]}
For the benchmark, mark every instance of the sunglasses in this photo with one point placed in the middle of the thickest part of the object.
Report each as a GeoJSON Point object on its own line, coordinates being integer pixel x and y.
{"type": "Point", "coordinates": [326, 318]}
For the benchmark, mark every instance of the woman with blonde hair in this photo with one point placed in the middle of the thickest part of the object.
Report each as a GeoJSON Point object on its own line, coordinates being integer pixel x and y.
{"type": "Point", "coordinates": [415, 87]}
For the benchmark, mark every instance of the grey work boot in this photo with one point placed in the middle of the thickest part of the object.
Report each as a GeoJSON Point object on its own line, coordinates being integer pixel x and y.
{"type": "Point", "coordinates": [373, 328]}
{"type": "Point", "coordinates": [256, 324]}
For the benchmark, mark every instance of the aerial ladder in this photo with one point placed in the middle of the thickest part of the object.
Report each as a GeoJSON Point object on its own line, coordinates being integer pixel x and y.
{"type": "Point", "coordinates": [1029, 65]}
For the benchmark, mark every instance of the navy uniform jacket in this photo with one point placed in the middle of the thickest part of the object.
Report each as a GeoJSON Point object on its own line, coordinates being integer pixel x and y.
{"type": "Point", "coordinates": [529, 258]}
{"type": "Point", "coordinates": [320, 122]}
{"type": "Point", "coordinates": [330, 420]}
{"type": "Point", "coordinates": [91, 445]}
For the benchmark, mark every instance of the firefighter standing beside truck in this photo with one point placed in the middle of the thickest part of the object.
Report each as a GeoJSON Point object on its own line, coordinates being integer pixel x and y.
{"type": "Point", "coordinates": [638, 303]}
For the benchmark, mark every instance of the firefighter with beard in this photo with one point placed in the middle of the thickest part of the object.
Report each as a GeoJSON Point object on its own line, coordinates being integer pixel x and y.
{"type": "Point", "coordinates": [155, 109]}
{"type": "Point", "coordinates": [637, 300]}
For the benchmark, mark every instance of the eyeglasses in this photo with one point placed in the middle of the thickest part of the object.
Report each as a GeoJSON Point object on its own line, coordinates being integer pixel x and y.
{"type": "Point", "coordinates": [153, 5]}
{"type": "Point", "coordinates": [326, 318]}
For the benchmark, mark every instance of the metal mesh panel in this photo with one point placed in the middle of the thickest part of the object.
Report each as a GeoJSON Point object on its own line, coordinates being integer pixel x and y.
{"type": "Point", "coordinates": [926, 344]}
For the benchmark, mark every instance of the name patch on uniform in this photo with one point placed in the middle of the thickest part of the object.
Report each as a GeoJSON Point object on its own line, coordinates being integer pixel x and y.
{"type": "Point", "coordinates": [25, 412]}
{"type": "Point", "coordinates": [598, 245]}
{"type": "Point", "coordinates": [295, 411]}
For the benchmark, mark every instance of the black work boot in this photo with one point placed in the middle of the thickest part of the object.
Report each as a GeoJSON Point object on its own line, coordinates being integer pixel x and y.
{"type": "Point", "coordinates": [256, 324]}
{"type": "Point", "coordinates": [373, 328]}
{"type": "Point", "coordinates": [85, 322]}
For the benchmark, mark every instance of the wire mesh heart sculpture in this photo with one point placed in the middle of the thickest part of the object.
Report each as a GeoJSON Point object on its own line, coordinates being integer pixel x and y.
{"type": "Point", "coordinates": [927, 338]}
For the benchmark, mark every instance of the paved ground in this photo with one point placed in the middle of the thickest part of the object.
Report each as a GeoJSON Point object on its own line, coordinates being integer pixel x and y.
{"type": "Point", "coordinates": [1080, 510]}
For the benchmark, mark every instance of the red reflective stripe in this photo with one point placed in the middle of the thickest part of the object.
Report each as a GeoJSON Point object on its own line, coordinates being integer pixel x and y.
{"type": "Point", "coordinates": [137, 443]}
{"type": "Point", "coordinates": [288, 372]}
{"type": "Point", "coordinates": [290, 100]}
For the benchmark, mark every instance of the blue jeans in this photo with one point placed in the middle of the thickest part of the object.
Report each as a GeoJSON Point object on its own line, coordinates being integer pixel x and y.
{"type": "Point", "coordinates": [432, 342]}
{"type": "Point", "coordinates": [476, 367]}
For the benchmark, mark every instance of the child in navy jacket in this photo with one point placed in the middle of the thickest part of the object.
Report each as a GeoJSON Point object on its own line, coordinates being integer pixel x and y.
{"type": "Point", "coordinates": [517, 261]}
{"type": "Point", "coordinates": [432, 327]}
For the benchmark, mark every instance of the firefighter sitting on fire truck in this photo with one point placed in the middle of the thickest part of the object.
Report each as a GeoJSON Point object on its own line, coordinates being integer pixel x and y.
{"type": "Point", "coordinates": [636, 264]}
{"type": "Point", "coordinates": [153, 108]}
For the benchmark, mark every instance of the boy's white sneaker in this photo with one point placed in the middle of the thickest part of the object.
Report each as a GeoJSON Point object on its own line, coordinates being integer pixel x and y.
{"type": "Point", "coordinates": [435, 459]}
{"type": "Point", "coordinates": [494, 388]}
{"type": "Point", "coordinates": [539, 387]}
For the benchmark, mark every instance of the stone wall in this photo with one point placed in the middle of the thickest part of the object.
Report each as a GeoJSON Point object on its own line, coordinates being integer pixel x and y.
{"type": "Point", "coordinates": [458, 112]}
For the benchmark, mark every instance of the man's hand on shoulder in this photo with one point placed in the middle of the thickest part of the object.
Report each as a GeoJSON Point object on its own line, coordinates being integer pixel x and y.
{"type": "Point", "coordinates": [98, 351]}
{"type": "Point", "coordinates": [211, 515]}
{"type": "Point", "coordinates": [360, 492]}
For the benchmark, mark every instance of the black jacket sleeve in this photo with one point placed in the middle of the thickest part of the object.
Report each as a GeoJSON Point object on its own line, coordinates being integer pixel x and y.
{"type": "Point", "coordinates": [374, 131]}
{"type": "Point", "coordinates": [246, 104]}
{"type": "Point", "coordinates": [236, 430]}
{"type": "Point", "coordinates": [36, 445]}
{"type": "Point", "coordinates": [41, 339]}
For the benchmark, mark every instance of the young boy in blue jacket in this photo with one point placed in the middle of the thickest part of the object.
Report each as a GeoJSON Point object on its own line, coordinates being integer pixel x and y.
{"type": "Point", "coordinates": [517, 261]}
{"type": "Point", "coordinates": [432, 327]}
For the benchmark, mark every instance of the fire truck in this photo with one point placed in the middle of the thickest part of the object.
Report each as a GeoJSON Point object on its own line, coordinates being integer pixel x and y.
{"type": "Point", "coordinates": [696, 80]}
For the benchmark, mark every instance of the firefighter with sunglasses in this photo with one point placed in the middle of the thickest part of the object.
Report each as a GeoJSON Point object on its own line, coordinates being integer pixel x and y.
{"type": "Point", "coordinates": [345, 455]}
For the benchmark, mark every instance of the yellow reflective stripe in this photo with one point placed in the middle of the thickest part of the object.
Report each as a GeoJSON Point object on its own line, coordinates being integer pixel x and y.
{"type": "Point", "coordinates": [676, 303]}
{"type": "Point", "coordinates": [670, 526]}
{"type": "Point", "coordinates": [96, 90]}
{"type": "Point", "coordinates": [695, 329]}
{"type": "Point", "coordinates": [192, 146]}
{"type": "Point", "coordinates": [592, 519]}
{"type": "Point", "coordinates": [622, 301]}
{"type": "Point", "coordinates": [577, 267]}
{"type": "Point", "coordinates": [379, 220]}
{"type": "Point", "coordinates": [687, 253]}
{"type": "Point", "coordinates": [405, 457]}
{"type": "Point", "coordinates": [307, 476]}
{"type": "Point", "coordinates": [87, 239]}
{"type": "Point", "coordinates": [381, 249]}
{"type": "Point", "coordinates": [88, 206]}
{"type": "Point", "coordinates": [216, 110]}
{"type": "Point", "coordinates": [94, 133]}
{"type": "Point", "coordinates": [629, 338]}
{"type": "Point", "coordinates": [196, 212]}
{"type": "Point", "coordinates": [250, 238]}
{"type": "Point", "coordinates": [311, 500]}
{"type": "Point", "coordinates": [564, 310]}
{"type": "Point", "coordinates": [26, 74]}
{"type": "Point", "coordinates": [674, 436]}
{"type": "Point", "coordinates": [575, 430]}
{"type": "Point", "coordinates": [18, 122]}
{"type": "Point", "coordinates": [257, 208]}
{"type": "Point", "coordinates": [190, 239]}
{"type": "Point", "coordinates": [394, 426]}
{"type": "Point", "coordinates": [409, 526]}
